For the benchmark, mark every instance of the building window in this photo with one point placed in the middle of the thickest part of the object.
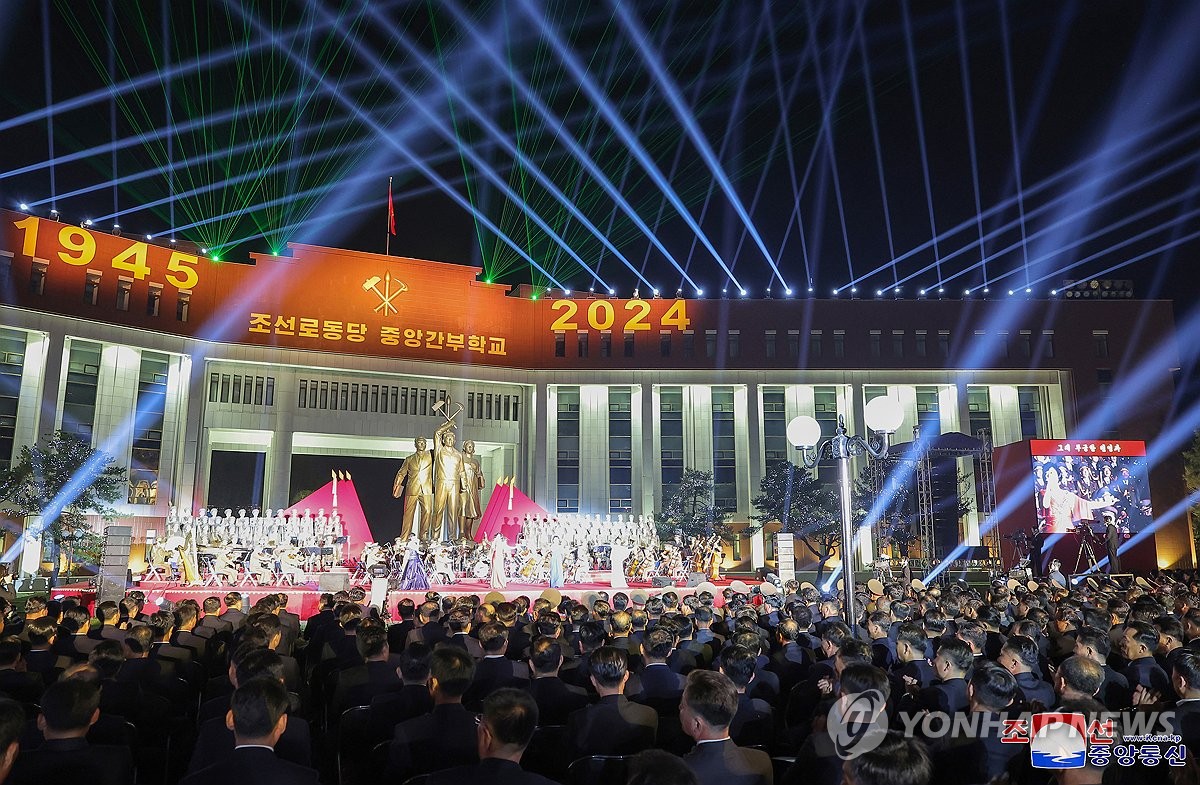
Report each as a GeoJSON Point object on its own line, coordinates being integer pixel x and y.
{"type": "Point", "coordinates": [735, 344]}
{"type": "Point", "coordinates": [1033, 425]}
{"type": "Point", "coordinates": [91, 287]}
{"type": "Point", "coordinates": [269, 399]}
{"type": "Point", "coordinates": [979, 409]}
{"type": "Point", "coordinates": [876, 343]}
{"type": "Point", "coordinates": [929, 419]}
{"type": "Point", "coordinates": [37, 277]}
{"type": "Point", "coordinates": [664, 344]}
{"type": "Point", "coordinates": [150, 413]}
{"type": "Point", "coordinates": [606, 344]}
{"type": "Point", "coordinates": [124, 289]}
{"type": "Point", "coordinates": [814, 342]}
{"type": "Point", "coordinates": [628, 344]}
{"type": "Point", "coordinates": [620, 450]}
{"type": "Point", "coordinates": [182, 305]}
{"type": "Point", "coordinates": [839, 343]}
{"type": "Point", "coordinates": [775, 443]}
{"type": "Point", "coordinates": [1026, 344]}
{"type": "Point", "coordinates": [897, 343]}
{"type": "Point", "coordinates": [582, 348]}
{"type": "Point", "coordinates": [567, 447]}
{"type": "Point", "coordinates": [225, 384]}
{"type": "Point", "coordinates": [670, 418]}
{"type": "Point", "coordinates": [154, 299]}
{"type": "Point", "coordinates": [724, 447]}
{"type": "Point", "coordinates": [689, 345]}
{"type": "Point", "coordinates": [1104, 381]}
{"type": "Point", "coordinates": [794, 343]}
{"type": "Point", "coordinates": [769, 339]}
{"type": "Point", "coordinates": [560, 345]}
{"type": "Point", "coordinates": [1048, 343]}
{"type": "Point", "coordinates": [12, 366]}
{"type": "Point", "coordinates": [920, 342]}
{"type": "Point", "coordinates": [1100, 343]}
{"type": "Point", "coordinates": [1004, 347]}
{"type": "Point", "coordinates": [710, 343]}
{"type": "Point", "coordinates": [944, 343]}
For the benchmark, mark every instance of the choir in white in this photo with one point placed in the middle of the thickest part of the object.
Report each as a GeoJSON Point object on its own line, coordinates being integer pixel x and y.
{"type": "Point", "coordinates": [259, 548]}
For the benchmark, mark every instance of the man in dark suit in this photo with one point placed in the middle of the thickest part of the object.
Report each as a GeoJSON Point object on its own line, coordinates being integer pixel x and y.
{"type": "Point", "coordinates": [109, 614]}
{"type": "Point", "coordinates": [1020, 657]}
{"type": "Point", "coordinates": [495, 670]}
{"type": "Point", "coordinates": [912, 669]}
{"type": "Point", "coordinates": [1140, 642]}
{"type": "Point", "coordinates": [211, 623]}
{"type": "Point", "coordinates": [555, 699]}
{"type": "Point", "coordinates": [447, 733]}
{"type": "Point", "coordinates": [234, 614]}
{"type": "Point", "coordinates": [949, 694]}
{"type": "Point", "coordinates": [412, 699]}
{"type": "Point", "coordinates": [792, 660]}
{"type": "Point", "coordinates": [69, 709]}
{"type": "Point", "coordinates": [1095, 644]}
{"type": "Point", "coordinates": [429, 629]}
{"type": "Point", "coordinates": [620, 626]}
{"type": "Point", "coordinates": [376, 675]}
{"type": "Point", "coordinates": [613, 726]}
{"type": "Point", "coordinates": [972, 757]}
{"type": "Point", "coordinates": [659, 682]}
{"type": "Point", "coordinates": [518, 639]}
{"type": "Point", "coordinates": [72, 640]}
{"type": "Point", "coordinates": [406, 611]}
{"type": "Point", "coordinates": [185, 636]}
{"type": "Point", "coordinates": [258, 719]}
{"type": "Point", "coordinates": [505, 730]}
{"type": "Point", "coordinates": [41, 657]}
{"type": "Point", "coordinates": [459, 622]}
{"type": "Point", "coordinates": [162, 628]}
{"type": "Point", "coordinates": [753, 723]}
{"type": "Point", "coordinates": [1185, 677]}
{"type": "Point", "coordinates": [708, 706]}
{"type": "Point", "coordinates": [289, 620]}
{"type": "Point", "coordinates": [216, 738]}
{"type": "Point", "coordinates": [15, 681]}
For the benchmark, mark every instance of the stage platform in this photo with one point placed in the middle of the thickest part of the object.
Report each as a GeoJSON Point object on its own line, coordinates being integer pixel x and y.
{"type": "Point", "coordinates": [304, 599]}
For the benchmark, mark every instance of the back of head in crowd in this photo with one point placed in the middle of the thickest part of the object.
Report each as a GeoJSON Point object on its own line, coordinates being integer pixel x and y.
{"type": "Point", "coordinates": [69, 707]}
{"type": "Point", "coordinates": [258, 712]}
{"type": "Point", "coordinates": [896, 761]}
{"type": "Point", "coordinates": [658, 767]}
{"type": "Point", "coordinates": [711, 697]}
{"type": "Point", "coordinates": [509, 718]}
{"type": "Point", "coordinates": [450, 671]}
{"type": "Point", "coordinates": [12, 723]}
{"type": "Point", "coordinates": [608, 667]}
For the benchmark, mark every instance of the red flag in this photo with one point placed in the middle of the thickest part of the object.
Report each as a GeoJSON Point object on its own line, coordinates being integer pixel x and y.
{"type": "Point", "coordinates": [391, 210]}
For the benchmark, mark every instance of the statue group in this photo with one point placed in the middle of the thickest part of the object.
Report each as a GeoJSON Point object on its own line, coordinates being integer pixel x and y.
{"type": "Point", "coordinates": [441, 488]}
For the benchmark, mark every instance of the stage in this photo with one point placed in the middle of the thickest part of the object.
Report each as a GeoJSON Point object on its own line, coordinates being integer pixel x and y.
{"type": "Point", "coordinates": [305, 598]}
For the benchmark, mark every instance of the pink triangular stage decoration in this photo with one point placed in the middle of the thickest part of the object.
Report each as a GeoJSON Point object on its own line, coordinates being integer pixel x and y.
{"type": "Point", "coordinates": [354, 521]}
{"type": "Point", "coordinates": [506, 512]}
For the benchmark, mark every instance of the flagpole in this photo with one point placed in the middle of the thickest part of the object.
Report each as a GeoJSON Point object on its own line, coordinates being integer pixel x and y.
{"type": "Point", "coordinates": [387, 247]}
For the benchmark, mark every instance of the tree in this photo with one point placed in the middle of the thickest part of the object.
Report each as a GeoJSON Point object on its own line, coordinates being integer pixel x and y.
{"type": "Point", "coordinates": [689, 509]}
{"type": "Point", "coordinates": [1191, 478]}
{"type": "Point", "coordinates": [62, 479]}
{"type": "Point", "coordinates": [803, 507]}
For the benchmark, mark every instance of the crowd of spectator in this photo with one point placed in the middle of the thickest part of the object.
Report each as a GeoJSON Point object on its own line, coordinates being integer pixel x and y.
{"type": "Point", "coordinates": [732, 689]}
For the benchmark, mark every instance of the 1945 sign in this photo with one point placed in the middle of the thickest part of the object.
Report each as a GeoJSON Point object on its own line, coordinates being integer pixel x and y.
{"type": "Point", "coordinates": [77, 247]}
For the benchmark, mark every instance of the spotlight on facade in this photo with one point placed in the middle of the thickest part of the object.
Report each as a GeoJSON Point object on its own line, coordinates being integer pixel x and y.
{"type": "Point", "coordinates": [86, 222]}
{"type": "Point", "coordinates": [24, 207]}
{"type": "Point", "coordinates": [788, 292]}
{"type": "Point", "coordinates": [699, 292]}
{"type": "Point", "coordinates": [612, 292]}
{"type": "Point", "coordinates": [53, 213]}
{"type": "Point", "coordinates": [1054, 293]}
{"type": "Point", "coordinates": [743, 292]}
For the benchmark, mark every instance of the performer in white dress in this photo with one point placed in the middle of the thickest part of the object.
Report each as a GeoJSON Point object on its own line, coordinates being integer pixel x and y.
{"type": "Point", "coordinates": [619, 552]}
{"type": "Point", "coordinates": [498, 576]}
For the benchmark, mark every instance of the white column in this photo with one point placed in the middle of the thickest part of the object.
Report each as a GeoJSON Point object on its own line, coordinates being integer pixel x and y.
{"type": "Point", "coordinates": [748, 408]}
{"type": "Point", "coordinates": [593, 448]}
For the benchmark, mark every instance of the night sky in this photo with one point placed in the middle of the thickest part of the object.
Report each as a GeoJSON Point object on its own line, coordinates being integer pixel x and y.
{"type": "Point", "coordinates": [841, 134]}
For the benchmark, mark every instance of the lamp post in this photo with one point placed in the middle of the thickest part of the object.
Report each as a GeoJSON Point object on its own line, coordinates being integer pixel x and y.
{"type": "Point", "coordinates": [883, 415]}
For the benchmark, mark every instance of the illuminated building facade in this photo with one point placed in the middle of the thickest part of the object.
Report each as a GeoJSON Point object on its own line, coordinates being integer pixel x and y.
{"type": "Point", "coordinates": [187, 370]}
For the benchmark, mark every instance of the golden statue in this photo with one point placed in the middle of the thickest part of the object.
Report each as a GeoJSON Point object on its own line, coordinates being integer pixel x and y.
{"type": "Point", "coordinates": [447, 466]}
{"type": "Point", "coordinates": [415, 481]}
{"type": "Point", "coordinates": [470, 509]}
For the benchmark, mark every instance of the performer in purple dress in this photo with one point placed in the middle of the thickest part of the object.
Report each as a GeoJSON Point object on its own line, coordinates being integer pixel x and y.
{"type": "Point", "coordinates": [413, 576]}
